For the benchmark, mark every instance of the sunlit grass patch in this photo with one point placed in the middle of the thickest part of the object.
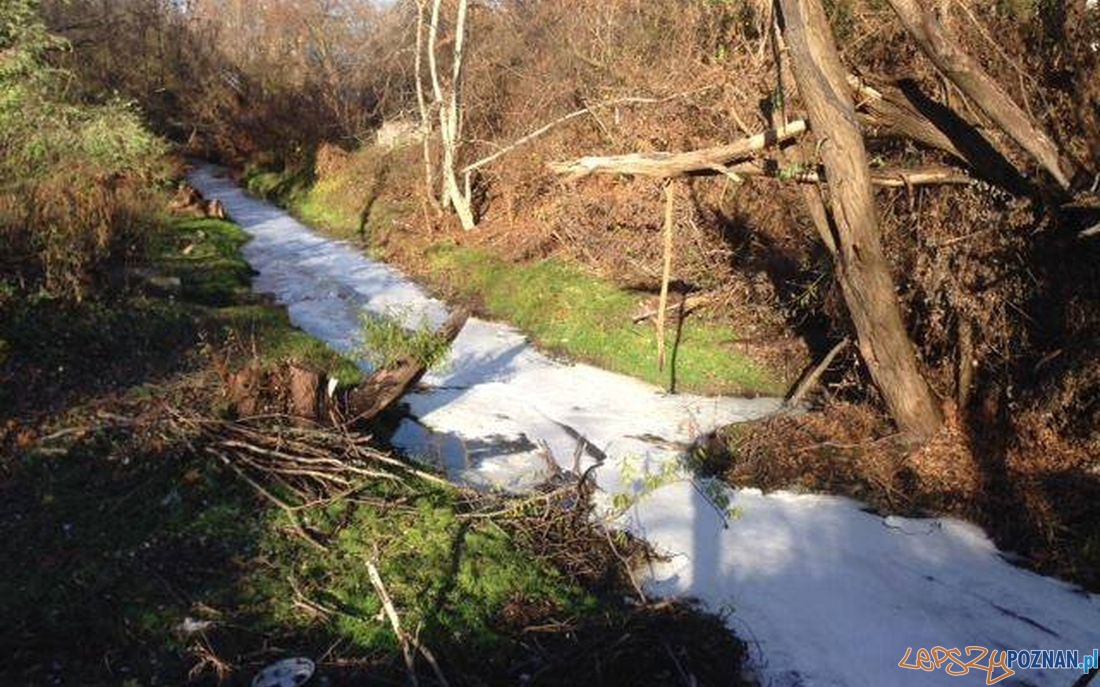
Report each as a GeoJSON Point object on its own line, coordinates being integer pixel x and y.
{"type": "Point", "coordinates": [571, 312]}
{"type": "Point", "coordinates": [386, 340]}
{"type": "Point", "coordinates": [205, 255]}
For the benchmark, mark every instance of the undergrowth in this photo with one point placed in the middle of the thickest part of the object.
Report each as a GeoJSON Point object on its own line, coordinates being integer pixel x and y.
{"type": "Point", "coordinates": [135, 557]}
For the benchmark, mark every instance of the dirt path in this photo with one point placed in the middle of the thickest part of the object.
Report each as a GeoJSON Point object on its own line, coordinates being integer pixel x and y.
{"type": "Point", "coordinates": [825, 593]}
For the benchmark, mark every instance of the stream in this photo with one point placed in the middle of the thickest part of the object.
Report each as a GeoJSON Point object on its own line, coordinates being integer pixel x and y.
{"type": "Point", "coordinates": [822, 591]}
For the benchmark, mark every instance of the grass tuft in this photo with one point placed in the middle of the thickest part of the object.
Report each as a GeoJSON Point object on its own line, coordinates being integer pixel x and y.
{"type": "Point", "coordinates": [386, 341]}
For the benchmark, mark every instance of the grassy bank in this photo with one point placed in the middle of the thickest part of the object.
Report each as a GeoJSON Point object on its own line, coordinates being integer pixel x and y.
{"type": "Point", "coordinates": [191, 297]}
{"type": "Point", "coordinates": [135, 556]}
{"type": "Point", "coordinates": [562, 307]}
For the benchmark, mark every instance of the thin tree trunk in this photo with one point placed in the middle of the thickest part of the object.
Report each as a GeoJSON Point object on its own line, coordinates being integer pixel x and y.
{"type": "Point", "coordinates": [862, 269]}
{"type": "Point", "coordinates": [460, 200]}
{"type": "Point", "coordinates": [422, 103]}
{"type": "Point", "coordinates": [450, 112]}
{"type": "Point", "coordinates": [945, 52]}
{"type": "Point", "coordinates": [437, 94]}
{"type": "Point", "coordinates": [666, 274]}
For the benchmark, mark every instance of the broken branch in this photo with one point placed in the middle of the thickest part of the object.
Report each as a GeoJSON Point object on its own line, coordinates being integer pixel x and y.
{"type": "Point", "coordinates": [664, 165]}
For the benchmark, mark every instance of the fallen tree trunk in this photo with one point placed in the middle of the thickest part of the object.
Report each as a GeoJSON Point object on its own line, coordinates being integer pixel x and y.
{"type": "Point", "coordinates": [389, 384]}
{"type": "Point", "coordinates": [664, 165]}
{"type": "Point", "coordinates": [862, 269]}
{"type": "Point", "coordinates": [965, 72]}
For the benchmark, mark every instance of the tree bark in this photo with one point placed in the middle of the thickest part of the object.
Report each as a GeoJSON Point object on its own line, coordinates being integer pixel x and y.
{"type": "Point", "coordinates": [944, 51]}
{"type": "Point", "coordinates": [450, 112]}
{"type": "Point", "coordinates": [387, 385]}
{"type": "Point", "coordinates": [861, 265]}
{"type": "Point", "coordinates": [422, 104]}
{"type": "Point", "coordinates": [900, 110]}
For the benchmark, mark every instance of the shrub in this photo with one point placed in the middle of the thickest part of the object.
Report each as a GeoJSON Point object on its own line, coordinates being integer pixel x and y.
{"type": "Point", "coordinates": [75, 180]}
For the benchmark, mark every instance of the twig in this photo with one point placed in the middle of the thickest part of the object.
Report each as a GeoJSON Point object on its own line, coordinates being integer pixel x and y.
{"type": "Point", "coordinates": [408, 644]}
{"type": "Point", "coordinates": [395, 622]}
{"type": "Point", "coordinates": [626, 567]}
{"type": "Point", "coordinates": [287, 508]}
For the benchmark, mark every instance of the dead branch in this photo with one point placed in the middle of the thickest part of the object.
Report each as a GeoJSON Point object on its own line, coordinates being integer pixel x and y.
{"type": "Point", "coordinates": [395, 622]}
{"type": "Point", "coordinates": [888, 177]}
{"type": "Point", "coordinates": [887, 108]}
{"type": "Point", "coordinates": [590, 109]}
{"type": "Point", "coordinates": [945, 51]}
{"type": "Point", "coordinates": [408, 642]}
{"type": "Point", "coordinates": [283, 505]}
{"type": "Point", "coordinates": [664, 165]}
{"type": "Point", "coordinates": [810, 380]}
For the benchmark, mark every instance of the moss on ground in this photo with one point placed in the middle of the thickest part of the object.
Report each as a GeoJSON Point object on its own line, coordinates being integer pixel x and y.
{"type": "Point", "coordinates": [568, 311]}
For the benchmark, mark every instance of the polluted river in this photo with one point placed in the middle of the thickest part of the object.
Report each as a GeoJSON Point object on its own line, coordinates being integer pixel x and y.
{"type": "Point", "coordinates": [823, 591]}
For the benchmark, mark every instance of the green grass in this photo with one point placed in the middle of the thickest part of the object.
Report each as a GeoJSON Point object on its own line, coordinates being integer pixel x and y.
{"type": "Point", "coordinates": [567, 311]}
{"type": "Point", "coordinates": [205, 255]}
{"type": "Point", "coordinates": [386, 341]}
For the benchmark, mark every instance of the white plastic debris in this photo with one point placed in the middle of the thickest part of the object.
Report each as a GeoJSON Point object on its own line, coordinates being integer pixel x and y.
{"type": "Point", "coordinates": [289, 672]}
{"type": "Point", "coordinates": [191, 626]}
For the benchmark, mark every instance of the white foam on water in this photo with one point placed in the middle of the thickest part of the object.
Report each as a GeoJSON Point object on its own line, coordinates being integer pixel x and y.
{"type": "Point", "coordinates": [824, 592]}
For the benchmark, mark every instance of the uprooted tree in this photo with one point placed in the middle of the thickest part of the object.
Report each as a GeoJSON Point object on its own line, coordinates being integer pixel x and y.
{"type": "Point", "coordinates": [842, 206]}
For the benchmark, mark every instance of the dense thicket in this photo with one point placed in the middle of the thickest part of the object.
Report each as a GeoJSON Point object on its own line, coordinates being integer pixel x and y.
{"type": "Point", "coordinates": [75, 178]}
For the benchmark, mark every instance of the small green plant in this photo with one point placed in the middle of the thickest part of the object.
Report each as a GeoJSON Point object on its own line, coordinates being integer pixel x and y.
{"type": "Point", "coordinates": [714, 490]}
{"type": "Point", "coordinates": [386, 341]}
{"type": "Point", "coordinates": [791, 172]}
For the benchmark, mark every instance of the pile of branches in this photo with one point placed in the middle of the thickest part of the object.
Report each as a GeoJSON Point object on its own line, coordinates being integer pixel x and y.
{"type": "Point", "coordinates": [296, 467]}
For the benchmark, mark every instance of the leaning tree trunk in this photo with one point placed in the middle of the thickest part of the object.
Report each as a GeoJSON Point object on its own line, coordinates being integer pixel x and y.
{"type": "Point", "coordinates": [945, 52]}
{"type": "Point", "coordinates": [861, 265]}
